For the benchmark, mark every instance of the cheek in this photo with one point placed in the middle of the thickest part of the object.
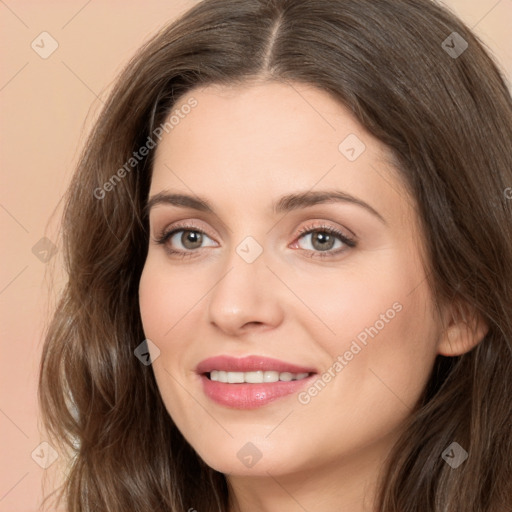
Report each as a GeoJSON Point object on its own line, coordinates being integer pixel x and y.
{"type": "Point", "coordinates": [165, 297]}
{"type": "Point", "coordinates": [166, 300]}
{"type": "Point", "coordinates": [379, 324]}
{"type": "Point", "coordinates": [384, 343]}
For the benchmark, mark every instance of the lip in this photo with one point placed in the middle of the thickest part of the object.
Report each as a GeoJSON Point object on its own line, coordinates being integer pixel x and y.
{"type": "Point", "coordinates": [250, 396]}
{"type": "Point", "coordinates": [249, 364]}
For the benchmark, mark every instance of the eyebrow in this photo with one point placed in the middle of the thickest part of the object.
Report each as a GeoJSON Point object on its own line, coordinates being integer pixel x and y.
{"type": "Point", "coordinates": [285, 204]}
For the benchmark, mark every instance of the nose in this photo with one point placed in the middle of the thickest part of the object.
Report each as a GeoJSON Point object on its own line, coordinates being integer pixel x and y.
{"type": "Point", "coordinates": [247, 297]}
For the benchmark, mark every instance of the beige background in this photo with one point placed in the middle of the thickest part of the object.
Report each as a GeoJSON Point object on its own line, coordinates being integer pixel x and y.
{"type": "Point", "coordinates": [47, 105]}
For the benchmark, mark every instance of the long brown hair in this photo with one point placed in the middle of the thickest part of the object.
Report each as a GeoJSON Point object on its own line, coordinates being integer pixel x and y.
{"type": "Point", "coordinates": [445, 112]}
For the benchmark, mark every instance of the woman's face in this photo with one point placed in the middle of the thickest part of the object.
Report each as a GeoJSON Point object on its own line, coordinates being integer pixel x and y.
{"type": "Point", "coordinates": [334, 287]}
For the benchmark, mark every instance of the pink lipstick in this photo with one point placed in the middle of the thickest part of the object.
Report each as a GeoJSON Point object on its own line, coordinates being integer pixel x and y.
{"type": "Point", "coordinates": [250, 382]}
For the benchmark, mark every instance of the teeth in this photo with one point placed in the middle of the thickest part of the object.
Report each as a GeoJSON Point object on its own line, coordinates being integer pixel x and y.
{"type": "Point", "coordinates": [257, 377]}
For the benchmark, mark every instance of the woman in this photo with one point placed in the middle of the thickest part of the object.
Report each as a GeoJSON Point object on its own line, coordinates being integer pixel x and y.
{"type": "Point", "coordinates": [289, 247]}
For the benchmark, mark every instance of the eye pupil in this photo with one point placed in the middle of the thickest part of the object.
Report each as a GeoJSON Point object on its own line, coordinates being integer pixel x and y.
{"type": "Point", "coordinates": [325, 240]}
{"type": "Point", "coordinates": [191, 237]}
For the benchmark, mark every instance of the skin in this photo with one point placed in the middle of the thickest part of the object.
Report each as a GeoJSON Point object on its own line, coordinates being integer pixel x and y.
{"type": "Point", "coordinates": [242, 148]}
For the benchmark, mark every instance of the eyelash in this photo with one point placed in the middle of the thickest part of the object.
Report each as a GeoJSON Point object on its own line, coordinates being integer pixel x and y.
{"type": "Point", "coordinates": [349, 242]}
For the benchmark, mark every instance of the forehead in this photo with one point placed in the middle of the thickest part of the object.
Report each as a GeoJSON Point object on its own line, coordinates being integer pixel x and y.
{"type": "Point", "coordinates": [267, 117]}
{"type": "Point", "coordinates": [251, 144]}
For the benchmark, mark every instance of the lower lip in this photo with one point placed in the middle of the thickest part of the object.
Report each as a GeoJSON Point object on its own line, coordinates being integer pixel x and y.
{"type": "Point", "coordinates": [250, 396]}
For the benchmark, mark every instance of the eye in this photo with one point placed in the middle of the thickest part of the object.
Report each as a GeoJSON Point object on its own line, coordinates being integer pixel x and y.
{"type": "Point", "coordinates": [183, 241]}
{"type": "Point", "coordinates": [324, 241]}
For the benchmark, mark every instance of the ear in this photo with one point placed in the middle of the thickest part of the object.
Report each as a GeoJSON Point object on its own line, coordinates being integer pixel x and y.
{"type": "Point", "coordinates": [464, 329]}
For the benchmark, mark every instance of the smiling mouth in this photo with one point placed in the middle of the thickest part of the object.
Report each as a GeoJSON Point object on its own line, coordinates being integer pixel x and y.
{"type": "Point", "coordinates": [254, 377]}
{"type": "Point", "coordinates": [251, 382]}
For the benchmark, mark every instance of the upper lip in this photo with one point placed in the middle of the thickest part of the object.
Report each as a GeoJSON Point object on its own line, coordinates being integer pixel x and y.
{"type": "Point", "coordinates": [249, 364]}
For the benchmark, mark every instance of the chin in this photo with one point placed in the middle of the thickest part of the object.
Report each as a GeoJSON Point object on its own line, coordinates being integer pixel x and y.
{"type": "Point", "coordinates": [250, 459]}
